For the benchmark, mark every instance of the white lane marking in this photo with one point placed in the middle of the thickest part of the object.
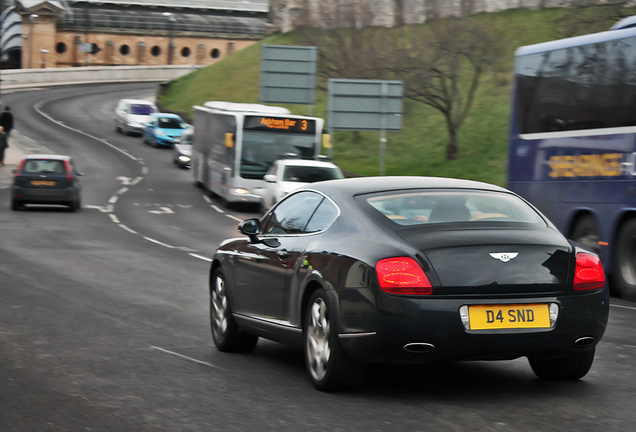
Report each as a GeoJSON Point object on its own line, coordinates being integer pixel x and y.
{"type": "Point", "coordinates": [122, 191]}
{"type": "Point", "coordinates": [623, 306]}
{"type": "Point", "coordinates": [103, 209]}
{"type": "Point", "coordinates": [137, 180]}
{"type": "Point", "coordinates": [124, 180]}
{"type": "Point", "coordinates": [158, 242]}
{"type": "Point", "coordinates": [184, 357]}
{"type": "Point", "coordinates": [113, 199]}
{"type": "Point", "coordinates": [130, 230]}
{"type": "Point", "coordinates": [201, 257]}
{"type": "Point", "coordinates": [207, 199]}
{"type": "Point", "coordinates": [114, 218]}
{"type": "Point", "coordinates": [162, 210]}
{"type": "Point", "coordinates": [217, 208]}
{"type": "Point", "coordinates": [234, 217]}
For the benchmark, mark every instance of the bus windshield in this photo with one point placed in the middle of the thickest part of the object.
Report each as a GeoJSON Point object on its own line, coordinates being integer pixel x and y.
{"type": "Point", "coordinates": [261, 148]}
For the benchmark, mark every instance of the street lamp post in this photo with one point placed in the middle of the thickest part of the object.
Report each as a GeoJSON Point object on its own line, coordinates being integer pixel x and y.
{"type": "Point", "coordinates": [43, 59]}
{"type": "Point", "coordinates": [31, 18]}
{"type": "Point", "coordinates": [171, 21]}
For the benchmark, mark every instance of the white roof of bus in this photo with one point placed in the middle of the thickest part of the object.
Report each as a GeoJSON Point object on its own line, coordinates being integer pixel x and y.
{"type": "Point", "coordinates": [576, 41]}
{"type": "Point", "coordinates": [245, 107]}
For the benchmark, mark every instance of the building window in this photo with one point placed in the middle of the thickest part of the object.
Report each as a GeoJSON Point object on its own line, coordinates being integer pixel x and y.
{"type": "Point", "coordinates": [155, 51]}
{"type": "Point", "coordinates": [124, 50]}
{"type": "Point", "coordinates": [60, 48]}
{"type": "Point", "coordinates": [215, 53]}
{"type": "Point", "coordinates": [185, 52]}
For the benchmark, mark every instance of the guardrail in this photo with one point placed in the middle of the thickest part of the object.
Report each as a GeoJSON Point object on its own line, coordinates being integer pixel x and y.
{"type": "Point", "coordinates": [18, 78]}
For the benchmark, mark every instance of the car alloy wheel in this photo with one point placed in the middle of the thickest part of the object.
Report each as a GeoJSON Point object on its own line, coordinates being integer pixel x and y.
{"type": "Point", "coordinates": [225, 332]}
{"type": "Point", "coordinates": [318, 331]}
{"type": "Point", "coordinates": [328, 365]}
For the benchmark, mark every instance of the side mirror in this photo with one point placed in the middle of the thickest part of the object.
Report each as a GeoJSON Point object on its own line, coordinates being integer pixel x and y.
{"type": "Point", "coordinates": [270, 178]}
{"type": "Point", "coordinates": [251, 228]}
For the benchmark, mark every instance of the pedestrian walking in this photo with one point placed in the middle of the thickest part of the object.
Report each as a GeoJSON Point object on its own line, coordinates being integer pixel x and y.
{"type": "Point", "coordinates": [4, 143]}
{"type": "Point", "coordinates": [6, 121]}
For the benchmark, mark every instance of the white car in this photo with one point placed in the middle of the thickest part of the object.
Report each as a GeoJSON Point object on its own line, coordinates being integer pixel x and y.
{"type": "Point", "coordinates": [286, 175]}
{"type": "Point", "coordinates": [131, 115]}
{"type": "Point", "coordinates": [182, 150]}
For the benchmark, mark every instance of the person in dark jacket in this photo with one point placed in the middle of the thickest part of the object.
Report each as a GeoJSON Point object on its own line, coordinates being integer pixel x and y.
{"type": "Point", "coordinates": [6, 121]}
{"type": "Point", "coordinates": [3, 145]}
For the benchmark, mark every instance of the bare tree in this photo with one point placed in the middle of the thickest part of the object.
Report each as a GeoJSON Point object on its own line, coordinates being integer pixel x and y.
{"type": "Point", "coordinates": [442, 67]}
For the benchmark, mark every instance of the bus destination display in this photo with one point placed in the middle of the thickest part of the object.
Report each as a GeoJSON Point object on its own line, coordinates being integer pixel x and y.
{"type": "Point", "coordinates": [280, 124]}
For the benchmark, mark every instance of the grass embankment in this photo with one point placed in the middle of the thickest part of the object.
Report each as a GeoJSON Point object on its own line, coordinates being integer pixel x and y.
{"type": "Point", "coordinates": [420, 148]}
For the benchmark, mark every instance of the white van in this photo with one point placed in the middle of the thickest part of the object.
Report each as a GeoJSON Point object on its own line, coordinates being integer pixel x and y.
{"type": "Point", "coordinates": [132, 114]}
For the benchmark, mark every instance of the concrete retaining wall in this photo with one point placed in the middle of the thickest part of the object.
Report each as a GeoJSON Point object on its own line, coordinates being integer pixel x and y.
{"type": "Point", "coordinates": [17, 78]}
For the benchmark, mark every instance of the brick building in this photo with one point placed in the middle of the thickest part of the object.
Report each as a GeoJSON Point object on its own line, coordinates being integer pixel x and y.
{"type": "Point", "coordinates": [65, 33]}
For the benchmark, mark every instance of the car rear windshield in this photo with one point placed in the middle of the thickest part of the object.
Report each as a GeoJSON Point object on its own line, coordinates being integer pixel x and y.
{"type": "Point", "coordinates": [446, 206]}
{"type": "Point", "coordinates": [142, 109]}
{"type": "Point", "coordinates": [170, 123]}
{"type": "Point", "coordinates": [44, 166]}
{"type": "Point", "coordinates": [309, 174]}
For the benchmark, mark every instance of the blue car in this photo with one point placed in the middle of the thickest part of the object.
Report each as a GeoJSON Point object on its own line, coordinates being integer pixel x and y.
{"type": "Point", "coordinates": [164, 129]}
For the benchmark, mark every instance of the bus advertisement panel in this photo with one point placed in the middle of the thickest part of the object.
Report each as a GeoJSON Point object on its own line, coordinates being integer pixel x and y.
{"type": "Point", "coordinates": [235, 144]}
{"type": "Point", "coordinates": [573, 142]}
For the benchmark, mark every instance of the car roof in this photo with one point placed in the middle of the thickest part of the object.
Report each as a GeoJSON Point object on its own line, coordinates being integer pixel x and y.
{"type": "Point", "coordinates": [306, 162]}
{"type": "Point", "coordinates": [363, 185]}
{"type": "Point", "coordinates": [161, 114]}
{"type": "Point", "coordinates": [137, 101]}
{"type": "Point", "coordinates": [47, 156]}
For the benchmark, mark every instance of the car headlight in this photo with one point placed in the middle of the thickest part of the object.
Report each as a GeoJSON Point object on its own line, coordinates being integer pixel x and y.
{"type": "Point", "coordinates": [241, 191]}
{"type": "Point", "coordinates": [183, 158]}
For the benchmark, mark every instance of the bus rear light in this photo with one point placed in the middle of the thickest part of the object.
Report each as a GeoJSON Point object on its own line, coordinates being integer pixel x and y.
{"type": "Point", "coordinates": [402, 275]}
{"type": "Point", "coordinates": [588, 272]}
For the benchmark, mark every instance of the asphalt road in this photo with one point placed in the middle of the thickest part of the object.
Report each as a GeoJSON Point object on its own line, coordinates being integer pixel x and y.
{"type": "Point", "coordinates": [104, 318]}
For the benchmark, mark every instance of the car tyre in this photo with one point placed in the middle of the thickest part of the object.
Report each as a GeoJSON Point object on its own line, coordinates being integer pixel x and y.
{"type": "Point", "coordinates": [624, 262]}
{"type": "Point", "coordinates": [225, 332]}
{"type": "Point", "coordinates": [585, 232]}
{"type": "Point", "coordinates": [16, 205]}
{"type": "Point", "coordinates": [568, 368]}
{"type": "Point", "coordinates": [328, 365]}
{"type": "Point", "coordinates": [75, 206]}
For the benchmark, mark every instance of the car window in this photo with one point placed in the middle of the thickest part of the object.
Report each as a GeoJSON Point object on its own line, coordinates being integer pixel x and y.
{"type": "Point", "coordinates": [142, 109]}
{"type": "Point", "coordinates": [44, 166]}
{"type": "Point", "coordinates": [170, 123]}
{"type": "Point", "coordinates": [309, 174]}
{"type": "Point", "coordinates": [323, 217]}
{"type": "Point", "coordinates": [432, 207]}
{"type": "Point", "coordinates": [292, 214]}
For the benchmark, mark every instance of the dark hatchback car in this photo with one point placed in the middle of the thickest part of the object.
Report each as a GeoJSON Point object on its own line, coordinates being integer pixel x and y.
{"type": "Point", "coordinates": [46, 179]}
{"type": "Point", "coordinates": [409, 270]}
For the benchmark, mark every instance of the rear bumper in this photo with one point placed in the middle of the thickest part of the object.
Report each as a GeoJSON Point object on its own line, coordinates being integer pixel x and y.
{"type": "Point", "coordinates": [44, 196]}
{"type": "Point", "coordinates": [406, 330]}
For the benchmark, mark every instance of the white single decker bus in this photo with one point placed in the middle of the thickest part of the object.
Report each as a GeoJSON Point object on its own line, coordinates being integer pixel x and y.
{"type": "Point", "coordinates": [235, 143]}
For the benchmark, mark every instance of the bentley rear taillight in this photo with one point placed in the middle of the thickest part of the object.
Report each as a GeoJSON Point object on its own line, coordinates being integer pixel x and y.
{"type": "Point", "coordinates": [588, 273]}
{"type": "Point", "coordinates": [402, 275]}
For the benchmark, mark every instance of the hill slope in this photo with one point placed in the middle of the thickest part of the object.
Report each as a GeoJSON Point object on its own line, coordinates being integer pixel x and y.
{"type": "Point", "coordinates": [420, 148]}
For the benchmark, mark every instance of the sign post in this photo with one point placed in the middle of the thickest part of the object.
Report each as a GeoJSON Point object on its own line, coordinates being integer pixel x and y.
{"type": "Point", "coordinates": [366, 105]}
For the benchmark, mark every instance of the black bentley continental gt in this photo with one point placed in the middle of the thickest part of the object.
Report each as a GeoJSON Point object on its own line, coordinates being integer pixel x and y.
{"type": "Point", "coordinates": [409, 270]}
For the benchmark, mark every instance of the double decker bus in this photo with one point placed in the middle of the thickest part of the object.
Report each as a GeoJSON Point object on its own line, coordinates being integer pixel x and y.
{"type": "Point", "coordinates": [235, 143]}
{"type": "Point", "coordinates": [573, 142]}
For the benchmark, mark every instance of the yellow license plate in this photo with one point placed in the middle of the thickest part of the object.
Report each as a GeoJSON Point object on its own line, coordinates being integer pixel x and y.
{"type": "Point", "coordinates": [517, 316]}
{"type": "Point", "coordinates": [42, 183]}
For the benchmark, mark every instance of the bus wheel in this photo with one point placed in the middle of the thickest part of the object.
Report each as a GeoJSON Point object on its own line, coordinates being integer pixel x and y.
{"type": "Point", "coordinates": [585, 233]}
{"type": "Point", "coordinates": [624, 261]}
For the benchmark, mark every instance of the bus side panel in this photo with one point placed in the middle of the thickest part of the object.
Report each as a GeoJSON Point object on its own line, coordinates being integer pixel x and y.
{"type": "Point", "coordinates": [221, 157]}
{"type": "Point", "coordinates": [199, 148]}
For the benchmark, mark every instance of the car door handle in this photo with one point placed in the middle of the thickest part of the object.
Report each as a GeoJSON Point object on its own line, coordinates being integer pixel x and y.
{"type": "Point", "coordinates": [282, 253]}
